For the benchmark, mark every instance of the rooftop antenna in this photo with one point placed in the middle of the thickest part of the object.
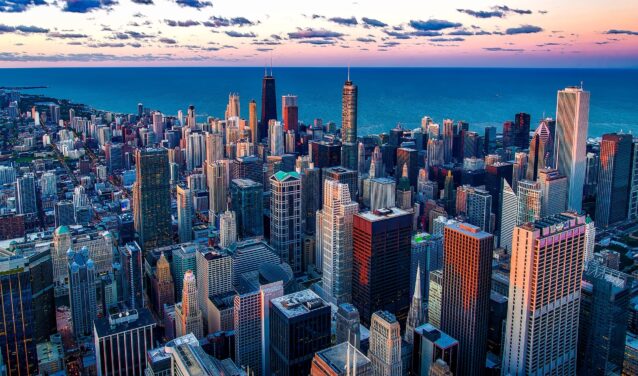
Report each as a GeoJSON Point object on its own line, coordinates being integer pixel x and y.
{"type": "Point", "coordinates": [265, 68]}
{"type": "Point", "coordinates": [348, 72]}
{"type": "Point", "coordinates": [271, 63]}
{"type": "Point", "coordinates": [581, 85]}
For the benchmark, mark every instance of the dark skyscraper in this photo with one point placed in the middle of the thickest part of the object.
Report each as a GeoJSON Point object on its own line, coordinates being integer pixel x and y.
{"type": "Point", "coordinates": [536, 158]}
{"type": "Point", "coordinates": [522, 121]}
{"type": "Point", "coordinates": [247, 201]}
{"type": "Point", "coordinates": [381, 262]}
{"type": "Point", "coordinates": [349, 125]}
{"type": "Point", "coordinates": [614, 173]}
{"type": "Point", "coordinates": [152, 198]}
{"type": "Point", "coordinates": [290, 113]}
{"type": "Point", "coordinates": [410, 157]}
{"type": "Point", "coordinates": [268, 102]}
{"type": "Point", "coordinates": [132, 265]}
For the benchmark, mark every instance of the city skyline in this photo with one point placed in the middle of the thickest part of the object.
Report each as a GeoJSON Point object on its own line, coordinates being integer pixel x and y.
{"type": "Point", "coordinates": [200, 33]}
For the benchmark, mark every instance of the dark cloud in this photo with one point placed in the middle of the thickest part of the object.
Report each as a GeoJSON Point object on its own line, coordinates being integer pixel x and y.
{"type": "Point", "coordinates": [138, 35]}
{"type": "Point", "coordinates": [310, 33]}
{"type": "Point", "coordinates": [318, 42]}
{"type": "Point", "coordinates": [482, 13]}
{"type": "Point", "coordinates": [315, 16]}
{"type": "Point", "coordinates": [57, 34]}
{"type": "Point", "coordinates": [121, 36]}
{"type": "Point", "coordinates": [276, 37]}
{"type": "Point", "coordinates": [17, 6]}
{"type": "Point", "coordinates": [366, 40]}
{"type": "Point", "coordinates": [22, 29]}
{"type": "Point", "coordinates": [94, 57]}
{"type": "Point", "coordinates": [144, 2]}
{"type": "Point", "coordinates": [223, 22]}
{"type": "Point", "coordinates": [433, 24]}
{"type": "Point", "coordinates": [543, 12]}
{"type": "Point", "coordinates": [85, 6]}
{"type": "Point", "coordinates": [506, 9]}
{"type": "Point", "coordinates": [500, 49]}
{"type": "Point", "coordinates": [457, 39]}
{"type": "Point", "coordinates": [425, 33]}
{"type": "Point", "coordinates": [461, 32]}
{"type": "Point", "coordinates": [263, 49]}
{"type": "Point", "coordinates": [135, 44]}
{"type": "Point", "coordinates": [186, 23]}
{"type": "Point", "coordinates": [197, 4]}
{"type": "Point", "coordinates": [373, 22]}
{"type": "Point", "coordinates": [603, 42]}
{"type": "Point", "coordinates": [266, 42]}
{"type": "Point", "coordinates": [390, 44]}
{"type": "Point", "coordinates": [168, 40]}
{"type": "Point", "coordinates": [74, 43]}
{"type": "Point", "coordinates": [397, 34]}
{"type": "Point", "coordinates": [523, 29]}
{"type": "Point", "coordinates": [237, 34]}
{"type": "Point", "coordinates": [344, 21]}
{"type": "Point", "coordinates": [106, 44]}
{"type": "Point", "coordinates": [619, 31]}
{"type": "Point", "coordinates": [548, 44]}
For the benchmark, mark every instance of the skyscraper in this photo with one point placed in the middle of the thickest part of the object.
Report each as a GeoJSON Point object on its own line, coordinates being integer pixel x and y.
{"type": "Point", "coordinates": [290, 113]}
{"type": "Point", "coordinates": [246, 198]}
{"type": "Point", "coordinates": [416, 315]}
{"type": "Point", "coordinates": [572, 123]}
{"type": "Point", "coordinates": [343, 175]}
{"type": "Point", "coordinates": [227, 229]}
{"type": "Point", "coordinates": [348, 324]}
{"type": "Point", "coordinates": [385, 345]}
{"type": "Point", "coordinates": [349, 124]}
{"type": "Point", "coordinates": [544, 296]}
{"type": "Point", "coordinates": [252, 122]}
{"type": "Point", "coordinates": [216, 175]}
{"type": "Point", "coordinates": [508, 216]}
{"type": "Point", "coordinates": [604, 313]}
{"type": "Point", "coordinates": [614, 174]}
{"type": "Point", "coordinates": [122, 341]}
{"type": "Point", "coordinates": [633, 184]}
{"type": "Point", "coordinates": [132, 265]}
{"type": "Point", "coordinates": [17, 343]}
{"type": "Point", "coordinates": [479, 209]}
{"type": "Point", "coordinates": [536, 158]}
{"type": "Point", "coordinates": [430, 346]}
{"type": "Point", "coordinates": [26, 195]}
{"type": "Point", "coordinates": [466, 292]}
{"type": "Point", "coordinates": [381, 243]}
{"type": "Point", "coordinates": [152, 198]}
{"type": "Point", "coordinates": [333, 362]}
{"type": "Point", "coordinates": [529, 201]}
{"type": "Point", "coordinates": [299, 327]}
{"type": "Point", "coordinates": [82, 293]}
{"type": "Point", "coordinates": [553, 192]}
{"type": "Point", "coordinates": [163, 285]}
{"type": "Point", "coordinates": [334, 240]}
{"type": "Point", "coordinates": [285, 221]}
{"type": "Point", "coordinates": [214, 147]}
{"type": "Point", "coordinates": [188, 316]}
{"type": "Point", "coordinates": [184, 214]}
{"type": "Point", "coordinates": [268, 102]}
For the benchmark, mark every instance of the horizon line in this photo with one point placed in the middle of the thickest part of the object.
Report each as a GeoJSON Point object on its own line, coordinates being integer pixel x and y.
{"type": "Point", "coordinates": [325, 67]}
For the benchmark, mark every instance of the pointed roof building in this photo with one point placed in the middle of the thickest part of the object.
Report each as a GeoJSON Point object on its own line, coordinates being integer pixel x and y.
{"type": "Point", "coordinates": [416, 316]}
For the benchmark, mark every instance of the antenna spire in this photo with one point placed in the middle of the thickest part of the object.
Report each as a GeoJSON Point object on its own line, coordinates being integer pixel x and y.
{"type": "Point", "coordinates": [271, 64]}
{"type": "Point", "coordinates": [348, 72]}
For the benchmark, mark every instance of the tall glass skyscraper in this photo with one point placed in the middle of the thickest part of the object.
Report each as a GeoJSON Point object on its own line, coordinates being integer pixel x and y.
{"type": "Point", "coordinates": [572, 123]}
{"type": "Point", "coordinates": [614, 174]}
{"type": "Point", "coordinates": [247, 201]}
{"type": "Point", "coordinates": [349, 124]}
{"type": "Point", "coordinates": [268, 102]}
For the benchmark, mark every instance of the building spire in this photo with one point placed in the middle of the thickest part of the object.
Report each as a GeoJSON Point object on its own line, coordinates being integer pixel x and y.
{"type": "Point", "coordinates": [416, 315]}
{"type": "Point", "coordinates": [417, 283]}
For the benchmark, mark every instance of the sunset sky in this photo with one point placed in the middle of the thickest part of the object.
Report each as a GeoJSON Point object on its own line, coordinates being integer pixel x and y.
{"type": "Point", "coordinates": [542, 33]}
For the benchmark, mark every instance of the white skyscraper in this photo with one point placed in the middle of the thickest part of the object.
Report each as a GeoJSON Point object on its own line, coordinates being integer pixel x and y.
{"type": "Point", "coordinates": [214, 147]}
{"type": "Point", "coordinates": [334, 239]}
{"type": "Point", "coordinates": [158, 126]}
{"type": "Point", "coordinates": [590, 239]}
{"type": "Point", "coordinates": [385, 345]}
{"type": "Point", "coordinates": [217, 186]}
{"type": "Point", "coordinates": [227, 229]}
{"type": "Point", "coordinates": [285, 222]}
{"type": "Point", "coordinates": [509, 216]}
{"type": "Point", "coordinates": [529, 201]}
{"type": "Point", "coordinates": [48, 184]}
{"type": "Point", "coordinates": [276, 138]}
{"type": "Point", "coordinates": [195, 150]}
{"type": "Point", "coordinates": [188, 316]}
{"type": "Point", "coordinates": [572, 123]}
{"type": "Point", "coordinates": [544, 297]}
{"type": "Point", "coordinates": [553, 191]}
{"type": "Point", "coordinates": [184, 214]}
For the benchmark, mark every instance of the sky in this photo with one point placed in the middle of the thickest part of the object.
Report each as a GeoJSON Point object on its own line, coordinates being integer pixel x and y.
{"type": "Point", "coordinates": [470, 33]}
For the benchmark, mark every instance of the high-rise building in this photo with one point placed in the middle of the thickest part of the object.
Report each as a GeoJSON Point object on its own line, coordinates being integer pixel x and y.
{"type": "Point", "coordinates": [82, 292]}
{"type": "Point", "coordinates": [345, 176]}
{"type": "Point", "coordinates": [408, 157]}
{"type": "Point", "coordinates": [449, 131]}
{"type": "Point", "coordinates": [544, 301]}
{"type": "Point", "coordinates": [632, 212]}
{"type": "Point", "coordinates": [385, 345]}
{"type": "Point", "coordinates": [466, 292]}
{"type": "Point", "coordinates": [299, 327]}
{"type": "Point", "coordinates": [572, 123]}
{"type": "Point", "coordinates": [188, 316]}
{"type": "Point", "coordinates": [416, 315]}
{"type": "Point", "coordinates": [132, 266]}
{"type": "Point", "coordinates": [184, 214]}
{"type": "Point", "coordinates": [17, 343]}
{"type": "Point", "coordinates": [26, 198]}
{"type": "Point", "coordinates": [489, 140]}
{"type": "Point", "coordinates": [64, 213]}
{"type": "Point", "coordinates": [247, 201]}
{"type": "Point", "coordinates": [381, 248]}
{"type": "Point", "coordinates": [268, 102]}
{"type": "Point", "coordinates": [310, 194]}
{"type": "Point", "coordinates": [553, 192]}
{"type": "Point", "coordinates": [217, 175]}
{"type": "Point", "coordinates": [479, 209]}
{"type": "Point", "coordinates": [590, 239]}
{"type": "Point", "coordinates": [508, 215]}
{"type": "Point", "coordinates": [427, 256]}
{"type": "Point", "coordinates": [163, 285]}
{"type": "Point", "coordinates": [536, 157]}
{"type": "Point", "coordinates": [253, 123]}
{"type": "Point", "coordinates": [435, 298]}
{"type": "Point", "coordinates": [214, 147]}
{"type": "Point", "coordinates": [430, 346]}
{"type": "Point", "coordinates": [604, 313]}
{"type": "Point", "coordinates": [349, 124]}
{"type": "Point", "coordinates": [334, 240]}
{"type": "Point", "coordinates": [195, 150]}
{"type": "Point", "coordinates": [214, 275]}
{"type": "Point", "coordinates": [290, 112]}
{"type": "Point", "coordinates": [348, 324]}
{"type": "Point", "coordinates": [152, 198]}
{"type": "Point", "coordinates": [232, 108]}
{"type": "Point", "coordinates": [333, 362]}
{"type": "Point", "coordinates": [529, 201]}
{"type": "Point", "coordinates": [184, 258]}
{"type": "Point", "coordinates": [276, 138]}
{"type": "Point", "coordinates": [614, 175]}
{"type": "Point", "coordinates": [227, 229]}
{"type": "Point", "coordinates": [285, 220]}
{"type": "Point", "coordinates": [122, 341]}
